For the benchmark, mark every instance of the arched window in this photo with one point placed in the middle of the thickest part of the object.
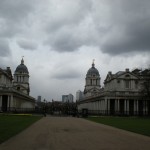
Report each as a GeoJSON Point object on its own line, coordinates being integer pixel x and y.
{"type": "Point", "coordinates": [18, 88]}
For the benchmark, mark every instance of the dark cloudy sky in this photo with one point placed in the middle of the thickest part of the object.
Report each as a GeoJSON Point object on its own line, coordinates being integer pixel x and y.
{"type": "Point", "coordinates": [60, 38]}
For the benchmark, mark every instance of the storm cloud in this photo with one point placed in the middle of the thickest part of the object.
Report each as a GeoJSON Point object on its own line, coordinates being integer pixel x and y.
{"type": "Point", "coordinates": [4, 48]}
{"type": "Point", "coordinates": [130, 28]}
{"type": "Point", "coordinates": [60, 38]}
{"type": "Point", "coordinates": [115, 27]}
{"type": "Point", "coordinates": [27, 45]}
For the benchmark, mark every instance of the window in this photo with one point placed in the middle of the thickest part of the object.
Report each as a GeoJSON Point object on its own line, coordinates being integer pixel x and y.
{"type": "Point", "coordinates": [18, 88]}
{"type": "Point", "coordinates": [118, 81]}
{"type": "Point", "coordinates": [136, 84]}
{"type": "Point", "coordinates": [127, 84]}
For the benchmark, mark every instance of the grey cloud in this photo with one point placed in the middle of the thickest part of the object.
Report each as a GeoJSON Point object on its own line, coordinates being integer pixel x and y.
{"type": "Point", "coordinates": [4, 48]}
{"type": "Point", "coordinates": [115, 27]}
{"type": "Point", "coordinates": [70, 37]}
{"type": "Point", "coordinates": [68, 13]}
{"type": "Point", "coordinates": [27, 45]}
{"type": "Point", "coordinates": [130, 31]}
{"type": "Point", "coordinates": [114, 31]}
{"type": "Point", "coordinates": [8, 30]}
{"type": "Point", "coordinates": [65, 74]}
{"type": "Point", "coordinates": [64, 41]}
{"type": "Point", "coordinates": [15, 10]}
{"type": "Point", "coordinates": [66, 30]}
{"type": "Point", "coordinates": [14, 15]}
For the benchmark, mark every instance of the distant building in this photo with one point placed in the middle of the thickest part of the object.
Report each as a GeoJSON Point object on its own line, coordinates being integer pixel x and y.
{"type": "Point", "coordinates": [67, 98]}
{"type": "Point", "coordinates": [64, 98]}
{"type": "Point", "coordinates": [79, 95]}
{"type": "Point", "coordinates": [70, 98]}
{"type": "Point", "coordinates": [14, 96]}
{"type": "Point", "coordinates": [39, 98]}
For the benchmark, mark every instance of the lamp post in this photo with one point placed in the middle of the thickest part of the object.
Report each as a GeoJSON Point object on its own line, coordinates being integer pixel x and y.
{"type": "Point", "coordinates": [44, 107]}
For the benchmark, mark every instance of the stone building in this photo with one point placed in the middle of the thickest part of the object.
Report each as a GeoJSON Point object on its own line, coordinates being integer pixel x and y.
{"type": "Point", "coordinates": [14, 96]}
{"type": "Point", "coordinates": [124, 93]}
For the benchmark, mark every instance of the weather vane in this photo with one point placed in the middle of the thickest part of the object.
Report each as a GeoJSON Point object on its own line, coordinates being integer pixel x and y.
{"type": "Point", "coordinates": [93, 61]}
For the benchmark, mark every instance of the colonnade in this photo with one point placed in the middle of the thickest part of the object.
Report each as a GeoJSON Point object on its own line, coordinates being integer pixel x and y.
{"type": "Point", "coordinates": [116, 106]}
{"type": "Point", "coordinates": [21, 78]}
{"type": "Point", "coordinates": [6, 103]}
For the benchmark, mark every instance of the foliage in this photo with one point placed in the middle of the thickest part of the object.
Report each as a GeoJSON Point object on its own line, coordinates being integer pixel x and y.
{"type": "Point", "coordinates": [10, 125]}
{"type": "Point", "coordinates": [133, 124]}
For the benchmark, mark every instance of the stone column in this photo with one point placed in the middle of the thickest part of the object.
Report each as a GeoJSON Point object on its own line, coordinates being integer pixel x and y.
{"type": "Point", "coordinates": [11, 99]}
{"type": "Point", "coordinates": [137, 107]}
{"type": "Point", "coordinates": [108, 106]}
{"type": "Point", "coordinates": [8, 102]}
{"type": "Point", "coordinates": [98, 105]}
{"type": "Point", "coordinates": [0, 102]}
{"type": "Point", "coordinates": [125, 106]}
{"type": "Point", "coordinates": [104, 106]}
{"type": "Point", "coordinates": [118, 105]}
{"type": "Point", "coordinates": [134, 107]}
{"type": "Point", "coordinates": [145, 107]}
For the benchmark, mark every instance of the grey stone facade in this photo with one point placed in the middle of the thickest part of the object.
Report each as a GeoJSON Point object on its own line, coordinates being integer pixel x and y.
{"type": "Point", "coordinates": [14, 96]}
{"type": "Point", "coordinates": [124, 93]}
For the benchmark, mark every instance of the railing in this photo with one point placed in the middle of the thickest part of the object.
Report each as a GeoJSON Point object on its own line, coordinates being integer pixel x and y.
{"type": "Point", "coordinates": [16, 110]}
{"type": "Point", "coordinates": [42, 110]}
{"type": "Point", "coordinates": [115, 113]}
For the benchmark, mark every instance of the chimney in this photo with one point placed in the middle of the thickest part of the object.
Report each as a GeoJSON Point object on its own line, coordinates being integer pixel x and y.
{"type": "Point", "coordinates": [110, 72]}
{"type": "Point", "coordinates": [127, 69]}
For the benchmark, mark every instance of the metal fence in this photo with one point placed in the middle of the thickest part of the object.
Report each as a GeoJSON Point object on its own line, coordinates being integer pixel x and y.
{"type": "Point", "coordinates": [82, 112]}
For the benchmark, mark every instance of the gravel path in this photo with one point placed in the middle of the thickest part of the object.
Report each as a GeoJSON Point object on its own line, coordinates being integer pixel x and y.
{"type": "Point", "coordinates": [67, 133]}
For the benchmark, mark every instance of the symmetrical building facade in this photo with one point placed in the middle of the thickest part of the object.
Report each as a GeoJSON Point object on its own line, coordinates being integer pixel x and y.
{"type": "Point", "coordinates": [124, 93]}
{"type": "Point", "coordinates": [14, 94]}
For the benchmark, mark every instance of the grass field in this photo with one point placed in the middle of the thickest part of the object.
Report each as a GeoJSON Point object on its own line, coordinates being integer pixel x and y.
{"type": "Point", "coordinates": [10, 125]}
{"type": "Point", "coordinates": [133, 124]}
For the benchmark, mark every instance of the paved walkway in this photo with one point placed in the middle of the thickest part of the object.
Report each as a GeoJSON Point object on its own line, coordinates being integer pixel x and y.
{"type": "Point", "coordinates": [67, 133]}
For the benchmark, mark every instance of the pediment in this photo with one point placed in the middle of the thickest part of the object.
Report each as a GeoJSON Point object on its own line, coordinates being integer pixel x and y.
{"type": "Point", "coordinates": [127, 75]}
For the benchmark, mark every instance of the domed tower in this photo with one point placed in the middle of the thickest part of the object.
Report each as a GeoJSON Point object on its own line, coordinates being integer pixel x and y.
{"type": "Point", "coordinates": [21, 78]}
{"type": "Point", "coordinates": [92, 82]}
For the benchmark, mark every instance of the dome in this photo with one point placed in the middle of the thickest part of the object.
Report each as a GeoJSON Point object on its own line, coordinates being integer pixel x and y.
{"type": "Point", "coordinates": [22, 68]}
{"type": "Point", "coordinates": [93, 71]}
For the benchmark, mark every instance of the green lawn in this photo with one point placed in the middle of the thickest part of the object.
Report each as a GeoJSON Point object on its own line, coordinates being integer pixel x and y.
{"type": "Point", "coordinates": [10, 125]}
{"type": "Point", "coordinates": [133, 124]}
